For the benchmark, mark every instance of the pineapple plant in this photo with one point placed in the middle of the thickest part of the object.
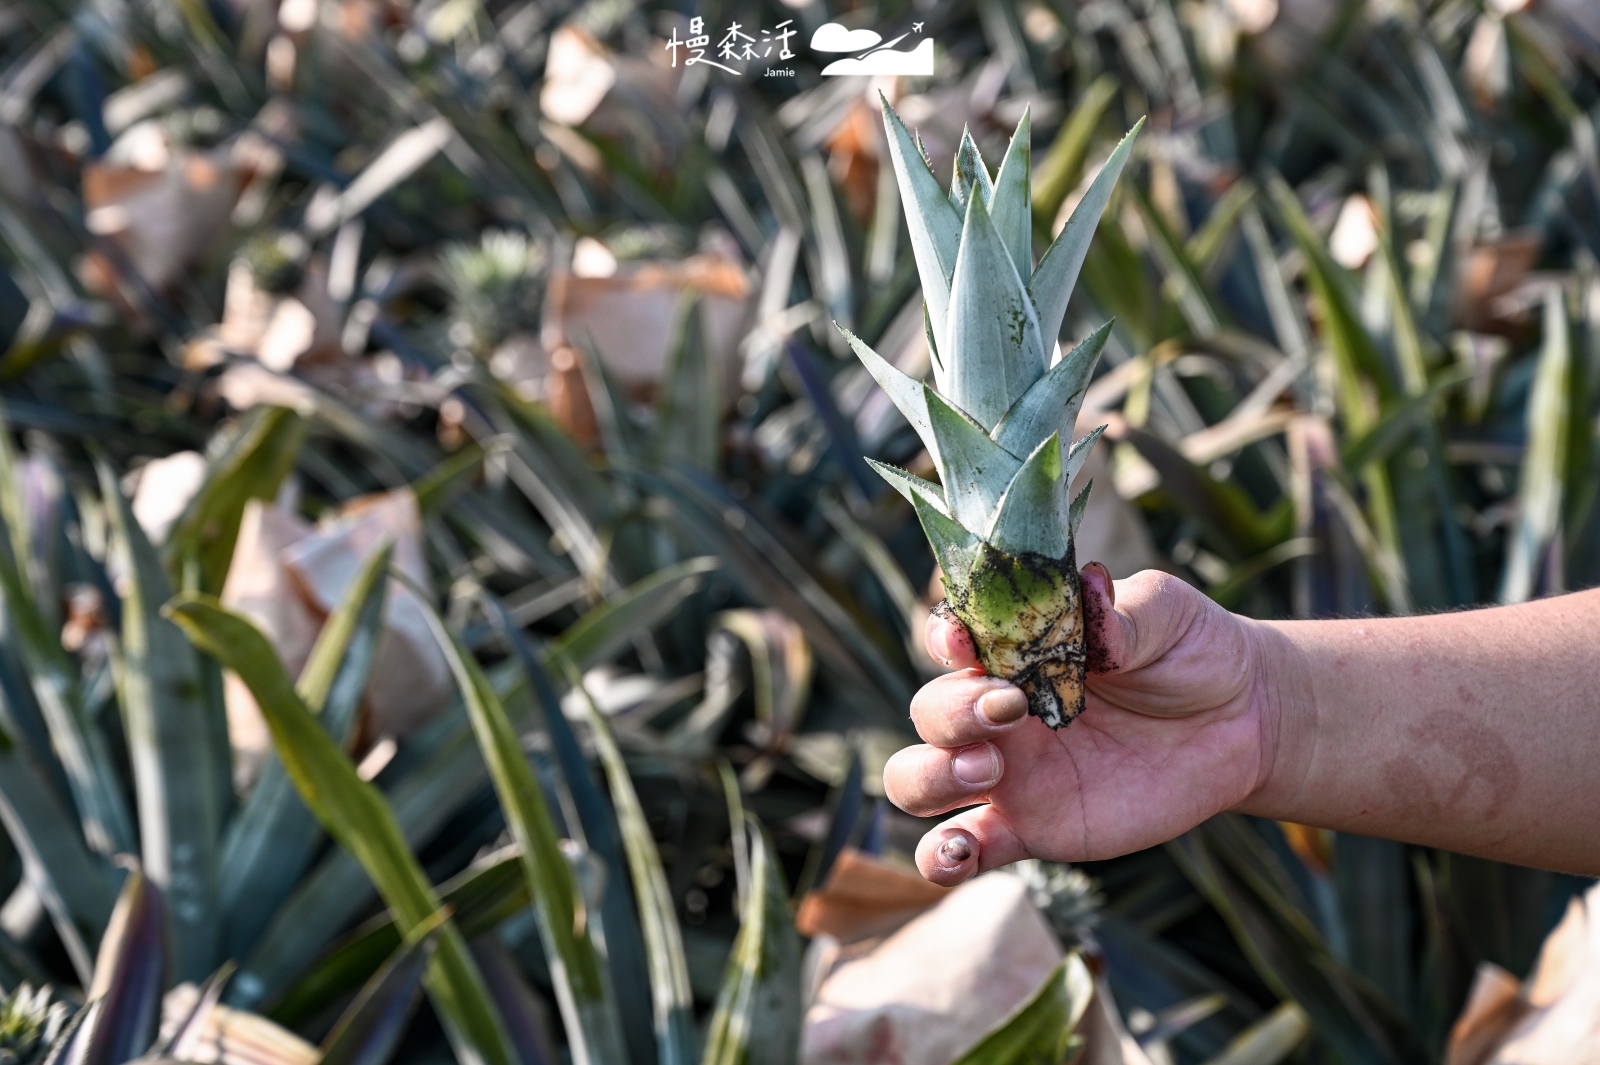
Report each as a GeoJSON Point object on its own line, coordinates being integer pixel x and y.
{"type": "Point", "coordinates": [998, 419]}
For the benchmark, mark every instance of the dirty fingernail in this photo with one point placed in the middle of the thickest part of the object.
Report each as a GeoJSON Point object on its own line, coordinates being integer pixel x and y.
{"type": "Point", "coordinates": [1102, 576]}
{"type": "Point", "coordinates": [941, 642]}
{"type": "Point", "coordinates": [1003, 705]}
{"type": "Point", "coordinates": [955, 850]}
{"type": "Point", "coordinates": [978, 764]}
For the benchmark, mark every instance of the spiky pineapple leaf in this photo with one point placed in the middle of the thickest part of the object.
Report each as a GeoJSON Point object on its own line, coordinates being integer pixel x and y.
{"type": "Point", "coordinates": [130, 972]}
{"type": "Point", "coordinates": [969, 173]}
{"type": "Point", "coordinates": [273, 838]}
{"type": "Point", "coordinates": [1058, 271]}
{"type": "Point", "coordinates": [588, 1007]}
{"type": "Point", "coordinates": [909, 484]}
{"type": "Point", "coordinates": [1080, 503]}
{"type": "Point", "coordinates": [975, 470]}
{"type": "Point", "coordinates": [356, 814]}
{"type": "Point", "coordinates": [935, 226]}
{"type": "Point", "coordinates": [371, 1027]}
{"type": "Point", "coordinates": [671, 997]}
{"type": "Point", "coordinates": [1029, 516]}
{"type": "Point", "coordinates": [1078, 453]}
{"type": "Point", "coordinates": [166, 718]}
{"type": "Point", "coordinates": [905, 392]}
{"type": "Point", "coordinates": [200, 546]}
{"type": "Point", "coordinates": [954, 547]}
{"type": "Point", "coordinates": [1051, 405]}
{"type": "Point", "coordinates": [758, 1012]}
{"type": "Point", "coordinates": [991, 346]}
{"type": "Point", "coordinates": [1011, 206]}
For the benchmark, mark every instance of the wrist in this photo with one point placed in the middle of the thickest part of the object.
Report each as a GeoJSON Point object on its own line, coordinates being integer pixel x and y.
{"type": "Point", "coordinates": [1283, 705]}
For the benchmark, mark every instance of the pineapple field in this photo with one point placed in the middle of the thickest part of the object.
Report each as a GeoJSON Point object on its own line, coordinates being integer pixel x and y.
{"type": "Point", "coordinates": [453, 607]}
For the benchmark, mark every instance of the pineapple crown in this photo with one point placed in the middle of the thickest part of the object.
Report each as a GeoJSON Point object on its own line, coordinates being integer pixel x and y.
{"type": "Point", "coordinates": [999, 416]}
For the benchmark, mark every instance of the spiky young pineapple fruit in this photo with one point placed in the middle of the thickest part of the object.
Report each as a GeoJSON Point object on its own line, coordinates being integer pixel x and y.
{"type": "Point", "coordinates": [998, 422]}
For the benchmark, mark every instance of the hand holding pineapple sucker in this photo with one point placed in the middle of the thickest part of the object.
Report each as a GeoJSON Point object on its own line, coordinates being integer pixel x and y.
{"type": "Point", "coordinates": [1390, 727]}
{"type": "Point", "coordinates": [999, 421]}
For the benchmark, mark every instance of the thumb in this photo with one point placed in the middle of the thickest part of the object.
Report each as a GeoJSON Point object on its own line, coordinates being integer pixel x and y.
{"type": "Point", "coordinates": [1134, 622]}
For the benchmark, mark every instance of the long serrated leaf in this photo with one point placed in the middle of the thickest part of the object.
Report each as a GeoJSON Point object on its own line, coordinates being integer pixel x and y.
{"type": "Point", "coordinates": [1372, 881]}
{"type": "Point", "coordinates": [526, 1018]}
{"type": "Point", "coordinates": [1544, 463]}
{"type": "Point", "coordinates": [130, 973]}
{"type": "Point", "coordinates": [1362, 382]}
{"type": "Point", "coordinates": [1031, 516]}
{"type": "Point", "coordinates": [689, 407]}
{"type": "Point", "coordinates": [1232, 867]}
{"type": "Point", "coordinates": [991, 345]}
{"type": "Point", "coordinates": [175, 770]}
{"type": "Point", "coordinates": [757, 1016]}
{"type": "Point", "coordinates": [480, 897]}
{"type": "Point", "coordinates": [436, 488]}
{"type": "Point", "coordinates": [200, 547]}
{"type": "Point", "coordinates": [337, 890]}
{"type": "Point", "coordinates": [975, 470]}
{"type": "Point", "coordinates": [1051, 405]}
{"type": "Point", "coordinates": [1057, 274]}
{"type": "Point", "coordinates": [1355, 355]}
{"type": "Point", "coordinates": [547, 467]}
{"type": "Point", "coordinates": [590, 1013]}
{"type": "Point", "coordinates": [671, 998]}
{"type": "Point", "coordinates": [1182, 277]}
{"type": "Point", "coordinates": [909, 485]}
{"type": "Point", "coordinates": [73, 882]}
{"type": "Point", "coordinates": [1040, 1031]}
{"type": "Point", "coordinates": [269, 845]}
{"type": "Point", "coordinates": [625, 948]}
{"type": "Point", "coordinates": [935, 226]}
{"type": "Point", "coordinates": [369, 1031]}
{"type": "Point", "coordinates": [774, 569]}
{"type": "Point", "coordinates": [1011, 207]}
{"type": "Point", "coordinates": [355, 814]}
{"type": "Point", "coordinates": [904, 391]}
{"type": "Point", "coordinates": [81, 749]}
{"type": "Point", "coordinates": [614, 623]}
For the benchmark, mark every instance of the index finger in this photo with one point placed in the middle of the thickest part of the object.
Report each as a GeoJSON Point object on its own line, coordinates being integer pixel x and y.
{"type": "Point", "coordinates": [948, 641]}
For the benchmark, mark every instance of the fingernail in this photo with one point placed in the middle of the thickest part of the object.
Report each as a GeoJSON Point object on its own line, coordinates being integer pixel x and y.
{"type": "Point", "coordinates": [1098, 572]}
{"type": "Point", "coordinates": [955, 850]}
{"type": "Point", "coordinates": [978, 764]}
{"type": "Point", "coordinates": [1003, 705]}
{"type": "Point", "coordinates": [939, 644]}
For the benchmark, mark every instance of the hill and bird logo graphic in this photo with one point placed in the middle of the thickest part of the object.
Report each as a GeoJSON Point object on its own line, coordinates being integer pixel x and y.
{"type": "Point", "coordinates": [876, 56]}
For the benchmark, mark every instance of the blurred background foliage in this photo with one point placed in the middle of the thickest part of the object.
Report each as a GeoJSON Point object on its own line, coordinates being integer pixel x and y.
{"type": "Point", "coordinates": [503, 285]}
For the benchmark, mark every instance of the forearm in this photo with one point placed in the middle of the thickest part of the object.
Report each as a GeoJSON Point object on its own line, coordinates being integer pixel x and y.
{"type": "Point", "coordinates": [1476, 731]}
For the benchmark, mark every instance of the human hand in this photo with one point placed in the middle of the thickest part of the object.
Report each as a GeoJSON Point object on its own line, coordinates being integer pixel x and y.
{"type": "Point", "coordinates": [1177, 728]}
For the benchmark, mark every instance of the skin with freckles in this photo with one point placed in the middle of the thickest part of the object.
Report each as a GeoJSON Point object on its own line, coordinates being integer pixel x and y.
{"type": "Point", "coordinates": [1476, 731]}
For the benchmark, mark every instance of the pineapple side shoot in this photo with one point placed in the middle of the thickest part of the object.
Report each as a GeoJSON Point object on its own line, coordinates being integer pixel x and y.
{"type": "Point", "coordinates": [998, 420]}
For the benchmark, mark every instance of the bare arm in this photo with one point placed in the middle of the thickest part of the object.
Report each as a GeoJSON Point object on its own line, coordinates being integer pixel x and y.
{"type": "Point", "coordinates": [1477, 731]}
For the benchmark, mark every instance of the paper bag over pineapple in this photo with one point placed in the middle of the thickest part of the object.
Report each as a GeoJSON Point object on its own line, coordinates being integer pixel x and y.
{"type": "Point", "coordinates": [288, 575]}
{"type": "Point", "coordinates": [997, 420]}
